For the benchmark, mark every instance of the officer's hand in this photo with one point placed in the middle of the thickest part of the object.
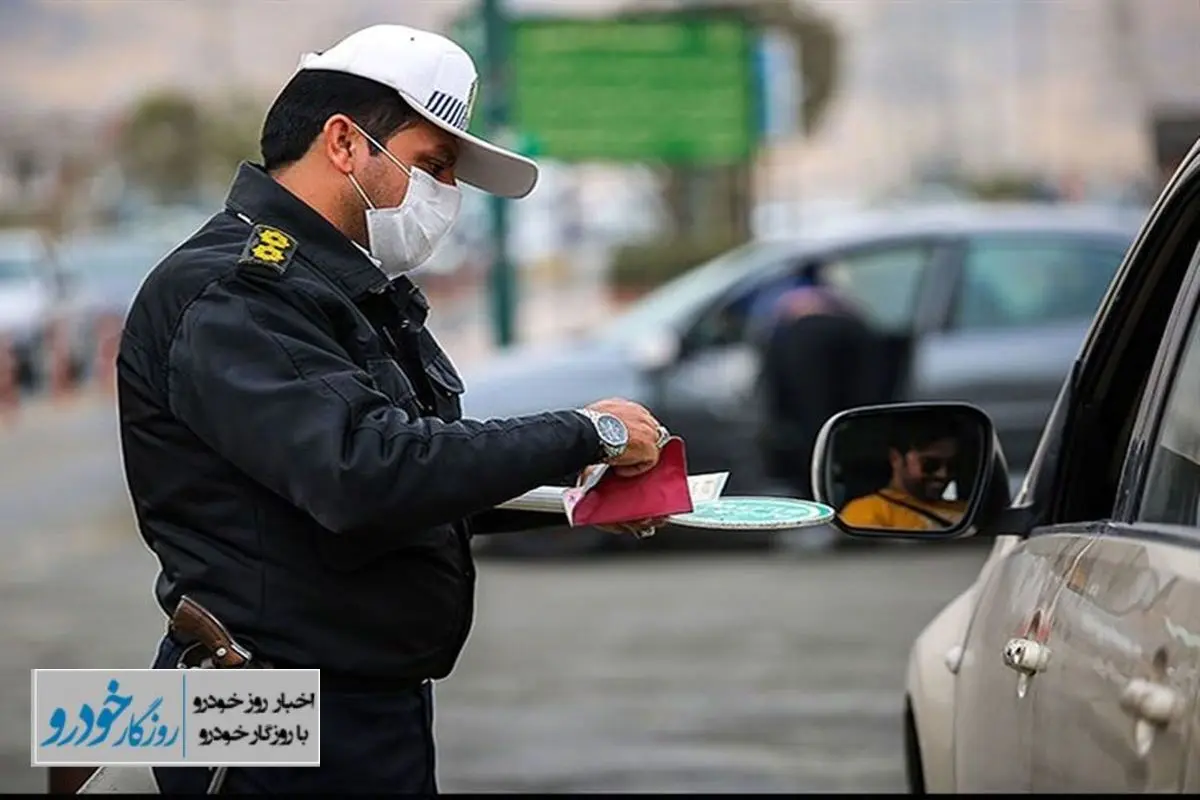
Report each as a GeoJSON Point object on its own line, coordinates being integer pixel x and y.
{"type": "Point", "coordinates": [644, 434]}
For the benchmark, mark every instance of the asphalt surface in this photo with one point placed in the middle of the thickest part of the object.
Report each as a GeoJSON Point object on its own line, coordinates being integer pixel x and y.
{"type": "Point", "coordinates": [672, 672]}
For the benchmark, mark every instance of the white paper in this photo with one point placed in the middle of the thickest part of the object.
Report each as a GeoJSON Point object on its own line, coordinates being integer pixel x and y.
{"type": "Point", "coordinates": [546, 499]}
{"type": "Point", "coordinates": [550, 499]}
{"type": "Point", "coordinates": [706, 488]}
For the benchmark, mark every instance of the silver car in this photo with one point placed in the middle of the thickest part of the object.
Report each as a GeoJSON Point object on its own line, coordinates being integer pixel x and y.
{"type": "Point", "coordinates": [1073, 662]}
{"type": "Point", "coordinates": [30, 301]}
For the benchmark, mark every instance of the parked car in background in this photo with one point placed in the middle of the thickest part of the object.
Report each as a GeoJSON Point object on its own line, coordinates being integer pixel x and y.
{"type": "Point", "coordinates": [104, 272]}
{"type": "Point", "coordinates": [1073, 662]}
{"type": "Point", "coordinates": [108, 270]}
{"type": "Point", "coordinates": [985, 303]}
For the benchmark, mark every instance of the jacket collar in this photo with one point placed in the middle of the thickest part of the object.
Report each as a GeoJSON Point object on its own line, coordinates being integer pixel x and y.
{"type": "Point", "coordinates": [259, 197]}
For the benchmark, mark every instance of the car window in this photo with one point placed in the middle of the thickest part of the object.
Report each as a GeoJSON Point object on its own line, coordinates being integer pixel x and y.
{"type": "Point", "coordinates": [740, 317]}
{"type": "Point", "coordinates": [16, 269]}
{"type": "Point", "coordinates": [671, 305]}
{"type": "Point", "coordinates": [1171, 493]}
{"type": "Point", "coordinates": [1011, 282]}
{"type": "Point", "coordinates": [885, 282]}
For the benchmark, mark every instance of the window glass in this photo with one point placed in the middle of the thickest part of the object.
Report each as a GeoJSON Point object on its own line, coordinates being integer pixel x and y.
{"type": "Point", "coordinates": [885, 282]}
{"type": "Point", "coordinates": [16, 269]}
{"type": "Point", "coordinates": [1013, 282]}
{"type": "Point", "coordinates": [677, 300]}
{"type": "Point", "coordinates": [1172, 490]}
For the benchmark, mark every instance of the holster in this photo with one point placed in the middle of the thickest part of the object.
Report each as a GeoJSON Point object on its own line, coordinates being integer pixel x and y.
{"type": "Point", "coordinates": [197, 655]}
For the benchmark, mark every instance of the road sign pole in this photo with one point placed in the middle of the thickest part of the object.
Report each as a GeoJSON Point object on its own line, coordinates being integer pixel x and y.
{"type": "Point", "coordinates": [495, 93]}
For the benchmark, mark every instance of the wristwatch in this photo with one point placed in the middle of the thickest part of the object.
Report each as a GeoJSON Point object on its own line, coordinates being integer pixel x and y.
{"type": "Point", "coordinates": [614, 436]}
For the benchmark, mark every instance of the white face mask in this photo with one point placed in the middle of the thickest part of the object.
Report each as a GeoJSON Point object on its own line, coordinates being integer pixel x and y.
{"type": "Point", "coordinates": [403, 238]}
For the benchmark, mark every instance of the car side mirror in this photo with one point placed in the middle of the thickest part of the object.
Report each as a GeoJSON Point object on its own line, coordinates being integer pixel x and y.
{"type": "Point", "coordinates": [911, 470]}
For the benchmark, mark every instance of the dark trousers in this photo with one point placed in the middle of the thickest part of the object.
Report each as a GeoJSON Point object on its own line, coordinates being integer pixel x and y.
{"type": "Point", "coordinates": [371, 742]}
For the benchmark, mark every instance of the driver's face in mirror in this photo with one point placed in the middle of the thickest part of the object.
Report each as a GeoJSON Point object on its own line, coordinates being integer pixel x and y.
{"type": "Point", "coordinates": [925, 472]}
{"type": "Point", "coordinates": [906, 472]}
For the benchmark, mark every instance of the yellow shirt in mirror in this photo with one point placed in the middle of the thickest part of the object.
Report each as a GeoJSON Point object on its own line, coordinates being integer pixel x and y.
{"type": "Point", "coordinates": [890, 509]}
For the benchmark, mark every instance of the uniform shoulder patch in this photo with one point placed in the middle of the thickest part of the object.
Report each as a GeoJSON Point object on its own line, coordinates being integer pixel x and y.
{"type": "Point", "coordinates": [268, 247]}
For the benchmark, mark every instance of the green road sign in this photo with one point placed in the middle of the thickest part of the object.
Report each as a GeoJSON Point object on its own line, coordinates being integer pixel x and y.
{"type": "Point", "coordinates": [676, 89]}
{"type": "Point", "coordinates": [470, 33]}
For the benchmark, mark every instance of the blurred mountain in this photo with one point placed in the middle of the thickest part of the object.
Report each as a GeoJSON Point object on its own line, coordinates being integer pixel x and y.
{"type": "Point", "coordinates": [1066, 86]}
{"type": "Point", "coordinates": [98, 55]}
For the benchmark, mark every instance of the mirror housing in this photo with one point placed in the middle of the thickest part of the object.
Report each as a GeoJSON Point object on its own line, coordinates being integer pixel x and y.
{"type": "Point", "coordinates": [912, 471]}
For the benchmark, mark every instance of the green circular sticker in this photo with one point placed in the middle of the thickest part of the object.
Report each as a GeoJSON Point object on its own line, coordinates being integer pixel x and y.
{"type": "Point", "coordinates": [755, 514]}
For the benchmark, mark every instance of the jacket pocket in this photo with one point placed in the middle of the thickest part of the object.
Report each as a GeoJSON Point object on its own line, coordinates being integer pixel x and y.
{"type": "Point", "coordinates": [447, 385]}
{"type": "Point", "coordinates": [392, 381]}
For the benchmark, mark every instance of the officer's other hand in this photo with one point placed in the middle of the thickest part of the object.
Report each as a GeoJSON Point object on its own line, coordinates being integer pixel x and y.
{"type": "Point", "coordinates": [642, 452]}
{"type": "Point", "coordinates": [640, 528]}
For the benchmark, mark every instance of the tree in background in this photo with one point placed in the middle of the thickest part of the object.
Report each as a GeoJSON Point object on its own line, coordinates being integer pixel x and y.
{"type": "Point", "coordinates": [230, 135]}
{"type": "Point", "coordinates": [722, 219]}
{"type": "Point", "coordinates": [178, 149]}
{"type": "Point", "coordinates": [160, 147]}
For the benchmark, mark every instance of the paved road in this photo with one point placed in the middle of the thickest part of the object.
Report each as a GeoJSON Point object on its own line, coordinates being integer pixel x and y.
{"type": "Point", "coordinates": [646, 672]}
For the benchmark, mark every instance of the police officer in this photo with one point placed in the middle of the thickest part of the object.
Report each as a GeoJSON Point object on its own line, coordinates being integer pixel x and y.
{"type": "Point", "coordinates": [292, 433]}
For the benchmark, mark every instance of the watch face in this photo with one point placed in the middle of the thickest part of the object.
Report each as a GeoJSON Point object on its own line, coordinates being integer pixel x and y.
{"type": "Point", "coordinates": [612, 431]}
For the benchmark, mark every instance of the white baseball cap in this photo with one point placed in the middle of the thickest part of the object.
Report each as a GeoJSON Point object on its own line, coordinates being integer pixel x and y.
{"type": "Point", "coordinates": [438, 79]}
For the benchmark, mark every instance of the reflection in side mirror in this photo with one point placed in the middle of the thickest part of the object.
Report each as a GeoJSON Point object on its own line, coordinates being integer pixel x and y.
{"type": "Point", "coordinates": [916, 469]}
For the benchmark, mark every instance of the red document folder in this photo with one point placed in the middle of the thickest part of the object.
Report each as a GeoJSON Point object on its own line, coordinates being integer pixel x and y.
{"type": "Point", "coordinates": [609, 499]}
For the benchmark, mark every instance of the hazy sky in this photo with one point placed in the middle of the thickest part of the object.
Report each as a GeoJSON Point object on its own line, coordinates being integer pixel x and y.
{"type": "Point", "coordinates": [1001, 78]}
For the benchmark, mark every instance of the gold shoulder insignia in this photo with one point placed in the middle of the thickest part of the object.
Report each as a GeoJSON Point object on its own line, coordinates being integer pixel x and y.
{"type": "Point", "coordinates": [269, 247]}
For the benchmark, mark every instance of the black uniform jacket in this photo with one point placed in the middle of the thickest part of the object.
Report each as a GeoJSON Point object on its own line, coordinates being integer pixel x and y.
{"type": "Point", "coordinates": [294, 447]}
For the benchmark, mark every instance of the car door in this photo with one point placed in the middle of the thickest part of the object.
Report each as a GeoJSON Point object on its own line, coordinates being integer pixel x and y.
{"type": "Point", "coordinates": [1023, 305]}
{"type": "Point", "coordinates": [709, 397]}
{"type": "Point", "coordinates": [1119, 705]}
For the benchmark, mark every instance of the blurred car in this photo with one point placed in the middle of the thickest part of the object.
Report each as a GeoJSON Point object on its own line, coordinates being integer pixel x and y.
{"type": "Point", "coordinates": [27, 299]}
{"type": "Point", "coordinates": [987, 303]}
{"type": "Point", "coordinates": [107, 270]}
{"type": "Point", "coordinates": [1072, 664]}
{"type": "Point", "coordinates": [102, 273]}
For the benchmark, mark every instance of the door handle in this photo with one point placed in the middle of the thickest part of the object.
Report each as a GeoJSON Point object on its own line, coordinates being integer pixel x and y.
{"type": "Point", "coordinates": [1156, 703]}
{"type": "Point", "coordinates": [954, 658]}
{"type": "Point", "coordinates": [1027, 657]}
{"type": "Point", "coordinates": [1153, 706]}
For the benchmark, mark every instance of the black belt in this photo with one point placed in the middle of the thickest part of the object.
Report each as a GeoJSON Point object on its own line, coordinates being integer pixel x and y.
{"type": "Point", "coordinates": [333, 680]}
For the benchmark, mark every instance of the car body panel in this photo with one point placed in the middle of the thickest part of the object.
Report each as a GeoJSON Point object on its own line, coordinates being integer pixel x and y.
{"type": "Point", "coordinates": [933, 665]}
{"type": "Point", "coordinates": [992, 714]}
{"type": "Point", "coordinates": [1126, 601]}
{"type": "Point", "coordinates": [563, 374]}
{"type": "Point", "coordinates": [710, 392]}
{"type": "Point", "coordinates": [929, 688]}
